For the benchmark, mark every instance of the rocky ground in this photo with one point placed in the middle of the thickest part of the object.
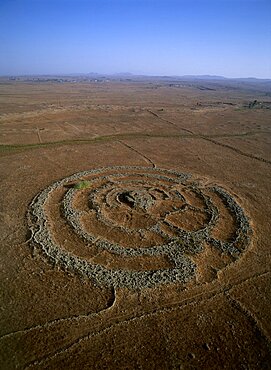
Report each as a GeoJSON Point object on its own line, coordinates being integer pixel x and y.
{"type": "Point", "coordinates": [135, 226]}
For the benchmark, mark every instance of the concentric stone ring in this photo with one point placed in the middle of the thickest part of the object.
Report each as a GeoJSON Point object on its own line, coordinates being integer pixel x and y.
{"type": "Point", "coordinates": [137, 227]}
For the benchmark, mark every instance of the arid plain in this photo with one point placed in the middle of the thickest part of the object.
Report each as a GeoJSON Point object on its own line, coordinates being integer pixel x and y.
{"type": "Point", "coordinates": [135, 228]}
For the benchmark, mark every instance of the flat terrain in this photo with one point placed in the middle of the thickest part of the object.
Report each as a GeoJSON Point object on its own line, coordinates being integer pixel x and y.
{"type": "Point", "coordinates": [135, 225]}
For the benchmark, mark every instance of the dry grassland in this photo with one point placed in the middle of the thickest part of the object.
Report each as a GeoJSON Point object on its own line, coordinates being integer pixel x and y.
{"type": "Point", "coordinates": [135, 228]}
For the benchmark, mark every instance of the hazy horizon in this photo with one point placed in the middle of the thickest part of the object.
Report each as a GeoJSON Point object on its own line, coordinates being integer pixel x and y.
{"type": "Point", "coordinates": [229, 38]}
{"type": "Point", "coordinates": [127, 74]}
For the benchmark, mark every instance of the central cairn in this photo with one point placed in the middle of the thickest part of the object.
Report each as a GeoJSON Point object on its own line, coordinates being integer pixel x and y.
{"type": "Point", "coordinates": [134, 227]}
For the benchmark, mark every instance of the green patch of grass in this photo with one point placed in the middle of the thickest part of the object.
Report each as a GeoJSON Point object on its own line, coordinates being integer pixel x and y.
{"type": "Point", "coordinates": [15, 148]}
{"type": "Point", "coordinates": [84, 184]}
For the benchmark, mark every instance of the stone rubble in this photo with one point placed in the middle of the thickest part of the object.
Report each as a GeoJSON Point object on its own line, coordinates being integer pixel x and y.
{"type": "Point", "coordinates": [137, 194]}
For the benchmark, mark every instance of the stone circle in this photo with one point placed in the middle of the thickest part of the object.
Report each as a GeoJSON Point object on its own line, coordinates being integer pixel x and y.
{"type": "Point", "coordinates": [131, 213]}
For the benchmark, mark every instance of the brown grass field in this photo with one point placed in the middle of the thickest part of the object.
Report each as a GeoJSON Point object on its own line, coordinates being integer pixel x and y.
{"type": "Point", "coordinates": [135, 228]}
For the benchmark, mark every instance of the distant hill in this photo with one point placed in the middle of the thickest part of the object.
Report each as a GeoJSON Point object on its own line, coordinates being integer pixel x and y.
{"type": "Point", "coordinates": [128, 75]}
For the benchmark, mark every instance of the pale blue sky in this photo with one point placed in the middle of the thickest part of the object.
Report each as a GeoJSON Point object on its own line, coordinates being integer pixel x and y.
{"type": "Point", "coordinates": [159, 37]}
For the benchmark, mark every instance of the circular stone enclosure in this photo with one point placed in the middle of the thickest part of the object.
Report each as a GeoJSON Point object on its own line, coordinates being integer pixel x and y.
{"type": "Point", "coordinates": [138, 227]}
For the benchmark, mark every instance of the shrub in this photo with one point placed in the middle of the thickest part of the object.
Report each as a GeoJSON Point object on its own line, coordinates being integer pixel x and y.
{"type": "Point", "coordinates": [84, 184]}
